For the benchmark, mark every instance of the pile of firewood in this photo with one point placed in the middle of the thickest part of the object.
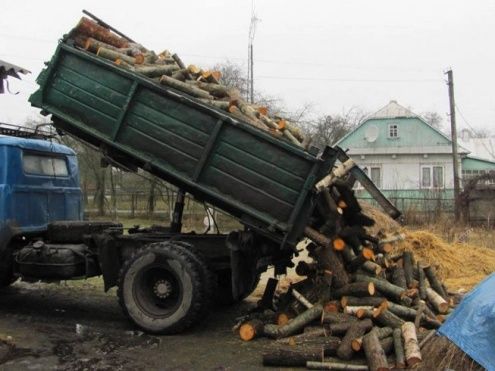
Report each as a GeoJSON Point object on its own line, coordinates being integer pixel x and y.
{"type": "Point", "coordinates": [168, 69]}
{"type": "Point", "coordinates": [359, 302]}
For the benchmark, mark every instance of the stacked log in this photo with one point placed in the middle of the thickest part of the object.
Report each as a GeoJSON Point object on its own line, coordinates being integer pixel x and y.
{"type": "Point", "coordinates": [169, 70]}
{"type": "Point", "coordinates": [359, 304]}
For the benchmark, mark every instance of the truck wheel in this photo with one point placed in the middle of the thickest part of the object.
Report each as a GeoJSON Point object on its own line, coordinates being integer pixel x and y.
{"type": "Point", "coordinates": [161, 290]}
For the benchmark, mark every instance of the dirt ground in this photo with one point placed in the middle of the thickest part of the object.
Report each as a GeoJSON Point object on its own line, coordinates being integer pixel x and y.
{"type": "Point", "coordinates": [61, 327]}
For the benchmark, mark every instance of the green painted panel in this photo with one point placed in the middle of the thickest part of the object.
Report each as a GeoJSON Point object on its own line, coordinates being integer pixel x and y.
{"type": "Point", "coordinates": [264, 150]}
{"type": "Point", "coordinates": [162, 154]}
{"type": "Point", "coordinates": [169, 124]}
{"type": "Point", "coordinates": [255, 179]}
{"type": "Point", "coordinates": [413, 132]}
{"type": "Point", "coordinates": [101, 75]}
{"type": "Point", "coordinates": [96, 88]}
{"type": "Point", "coordinates": [161, 134]}
{"type": "Point", "coordinates": [176, 110]}
{"type": "Point", "coordinates": [86, 98]}
{"type": "Point", "coordinates": [271, 171]}
{"type": "Point", "coordinates": [91, 117]}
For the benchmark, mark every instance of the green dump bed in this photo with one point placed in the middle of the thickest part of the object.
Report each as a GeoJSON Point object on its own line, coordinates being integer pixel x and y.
{"type": "Point", "coordinates": [264, 181]}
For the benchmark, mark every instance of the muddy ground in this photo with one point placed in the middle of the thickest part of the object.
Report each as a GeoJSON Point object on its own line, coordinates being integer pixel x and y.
{"type": "Point", "coordinates": [41, 320]}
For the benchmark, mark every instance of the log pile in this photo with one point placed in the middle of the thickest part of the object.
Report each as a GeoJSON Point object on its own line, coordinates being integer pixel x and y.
{"type": "Point", "coordinates": [169, 70]}
{"type": "Point", "coordinates": [359, 304]}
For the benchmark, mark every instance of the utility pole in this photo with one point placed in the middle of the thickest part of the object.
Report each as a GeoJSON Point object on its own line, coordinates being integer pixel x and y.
{"type": "Point", "coordinates": [252, 31]}
{"type": "Point", "coordinates": [455, 157]}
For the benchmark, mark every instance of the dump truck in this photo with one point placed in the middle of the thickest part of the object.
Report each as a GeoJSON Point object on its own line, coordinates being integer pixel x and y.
{"type": "Point", "coordinates": [168, 280]}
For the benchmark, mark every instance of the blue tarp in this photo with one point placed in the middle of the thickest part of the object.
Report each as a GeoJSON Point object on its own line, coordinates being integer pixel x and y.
{"type": "Point", "coordinates": [472, 325]}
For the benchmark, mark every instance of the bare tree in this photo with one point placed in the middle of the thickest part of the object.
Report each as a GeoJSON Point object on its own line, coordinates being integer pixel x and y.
{"type": "Point", "coordinates": [433, 118]}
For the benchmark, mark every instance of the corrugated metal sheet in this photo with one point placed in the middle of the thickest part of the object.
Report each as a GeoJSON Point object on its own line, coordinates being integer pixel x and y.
{"type": "Point", "coordinates": [8, 69]}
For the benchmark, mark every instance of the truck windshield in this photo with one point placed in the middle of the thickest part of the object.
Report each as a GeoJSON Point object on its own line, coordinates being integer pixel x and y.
{"type": "Point", "coordinates": [35, 164]}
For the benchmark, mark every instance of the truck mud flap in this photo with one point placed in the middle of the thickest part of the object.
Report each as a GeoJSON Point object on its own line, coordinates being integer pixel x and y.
{"type": "Point", "coordinates": [243, 259]}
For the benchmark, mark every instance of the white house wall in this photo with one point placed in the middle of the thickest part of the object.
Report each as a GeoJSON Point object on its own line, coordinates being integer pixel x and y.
{"type": "Point", "coordinates": [403, 171]}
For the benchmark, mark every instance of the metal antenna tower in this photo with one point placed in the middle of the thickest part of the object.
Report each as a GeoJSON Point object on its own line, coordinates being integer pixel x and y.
{"type": "Point", "coordinates": [252, 31]}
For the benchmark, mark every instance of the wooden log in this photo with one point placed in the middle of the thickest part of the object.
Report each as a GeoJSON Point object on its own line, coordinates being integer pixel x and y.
{"type": "Point", "coordinates": [375, 355]}
{"type": "Point", "coordinates": [400, 360]}
{"type": "Point", "coordinates": [402, 311]}
{"type": "Point", "coordinates": [181, 75]}
{"type": "Point", "coordinates": [157, 70]}
{"type": "Point", "coordinates": [353, 310]}
{"type": "Point", "coordinates": [292, 358]}
{"type": "Point", "coordinates": [426, 339]}
{"type": "Point", "coordinates": [364, 312]}
{"type": "Point", "coordinates": [271, 124]}
{"type": "Point", "coordinates": [381, 333]}
{"type": "Point", "coordinates": [182, 66]}
{"type": "Point", "coordinates": [365, 255]}
{"type": "Point", "coordinates": [386, 288]}
{"type": "Point", "coordinates": [340, 328]}
{"type": "Point", "coordinates": [434, 282]}
{"type": "Point", "coordinates": [251, 329]}
{"type": "Point", "coordinates": [399, 277]}
{"type": "Point", "coordinates": [329, 260]}
{"type": "Point", "coordinates": [297, 132]}
{"type": "Point", "coordinates": [362, 288]}
{"type": "Point", "coordinates": [330, 317]}
{"type": "Point", "coordinates": [407, 258]}
{"type": "Point", "coordinates": [234, 111]}
{"type": "Point", "coordinates": [93, 45]}
{"type": "Point", "coordinates": [187, 88]}
{"type": "Point", "coordinates": [301, 299]}
{"type": "Point", "coordinates": [219, 91]}
{"type": "Point", "coordinates": [295, 325]}
{"type": "Point", "coordinates": [419, 313]}
{"type": "Point", "coordinates": [421, 283]}
{"type": "Point", "coordinates": [386, 318]}
{"type": "Point", "coordinates": [437, 301]}
{"type": "Point", "coordinates": [307, 335]}
{"type": "Point", "coordinates": [92, 29]}
{"type": "Point", "coordinates": [332, 306]}
{"type": "Point", "coordinates": [411, 347]}
{"type": "Point", "coordinates": [358, 329]}
{"type": "Point", "coordinates": [362, 300]}
{"type": "Point", "coordinates": [336, 366]}
{"type": "Point", "coordinates": [114, 55]}
{"type": "Point", "coordinates": [372, 267]}
{"type": "Point", "coordinates": [382, 261]}
{"type": "Point", "coordinates": [220, 104]}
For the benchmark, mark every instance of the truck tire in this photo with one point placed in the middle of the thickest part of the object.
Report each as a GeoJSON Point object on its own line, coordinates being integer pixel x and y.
{"type": "Point", "coordinates": [70, 231]}
{"type": "Point", "coordinates": [161, 288]}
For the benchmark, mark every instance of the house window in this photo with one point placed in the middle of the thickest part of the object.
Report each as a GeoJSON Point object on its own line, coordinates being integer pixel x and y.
{"type": "Point", "coordinates": [374, 173]}
{"type": "Point", "coordinates": [393, 131]}
{"type": "Point", "coordinates": [375, 176]}
{"type": "Point", "coordinates": [432, 177]}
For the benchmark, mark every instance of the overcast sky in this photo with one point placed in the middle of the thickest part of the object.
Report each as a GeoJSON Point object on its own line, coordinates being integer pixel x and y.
{"type": "Point", "coordinates": [334, 55]}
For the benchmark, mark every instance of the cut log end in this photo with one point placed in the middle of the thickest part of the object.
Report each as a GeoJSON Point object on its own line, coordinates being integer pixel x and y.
{"type": "Point", "coordinates": [250, 330]}
{"type": "Point", "coordinates": [338, 244]}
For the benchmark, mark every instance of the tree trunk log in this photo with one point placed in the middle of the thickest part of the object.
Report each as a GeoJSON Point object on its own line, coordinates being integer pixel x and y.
{"type": "Point", "coordinates": [381, 333]}
{"type": "Point", "coordinates": [365, 255]}
{"type": "Point", "coordinates": [358, 329]}
{"type": "Point", "coordinates": [386, 288]}
{"type": "Point", "coordinates": [407, 257]}
{"type": "Point", "coordinates": [114, 55]}
{"type": "Point", "coordinates": [329, 317]}
{"type": "Point", "coordinates": [386, 318]}
{"type": "Point", "coordinates": [292, 358]}
{"type": "Point", "coordinates": [340, 328]}
{"type": "Point", "coordinates": [419, 313]}
{"type": "Point", "coordinates": [295, 325]}
{"type": "Point", "coordinates": [305, 336]}
{"type": "Point", "coordinates": [399, 277]}
{"type": "Point", "coordinates": [251, 329]}
{"type": "Point", "coordinates": [375, 355]}
{"type": "Point", "coordinates": [353, 310]}
{"type": "Point", "coordinates": [220, 104]}
{"type": "Point", "coordinates": [411, 347]}
{"type": "Point", "coordinates": [402, 311]}
{"type": "Point", "coordinates": [361, 288]}
{"type": "Point", "coordinates": [336, 366]}
{"type": "Point", "coordinates": [219, 91]}
{"type": "Point", "coordinates": [92, 29]}
{"type": "Point", "coordinates": [187, 88]}
{"type": "Point", "coordinates": [157, 70]}
{"type": "Point", "coordinates": [328, 259]}
{"type": "Point", "coordinates": [434, 282]}
{"type": "Point", "coordinates": [373, 301]}
{"type": "Point", "coordinates": [372, 268]}
{"type": "Point", "coordinates": [421, 283]}
{"type": "Point", "coordinates": [400, 360]}
{"type": "Point", "coordinates": [437, 301]}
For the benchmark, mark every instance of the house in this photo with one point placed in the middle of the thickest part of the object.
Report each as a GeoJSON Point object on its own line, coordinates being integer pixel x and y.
{"type": "Point", "coordinates": [407, 158]}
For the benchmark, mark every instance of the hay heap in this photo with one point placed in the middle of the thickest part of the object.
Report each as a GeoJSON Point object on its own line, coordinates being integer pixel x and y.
{"type": "Point", "coordinates": [459, 265]}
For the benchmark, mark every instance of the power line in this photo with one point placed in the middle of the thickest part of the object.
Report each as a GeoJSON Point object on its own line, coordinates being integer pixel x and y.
{"type": "Point", "coordinates": [338, 79]}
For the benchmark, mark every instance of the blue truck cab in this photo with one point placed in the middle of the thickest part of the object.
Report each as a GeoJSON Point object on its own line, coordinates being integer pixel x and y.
{"type": "Point", "coordinates": [39, 183]}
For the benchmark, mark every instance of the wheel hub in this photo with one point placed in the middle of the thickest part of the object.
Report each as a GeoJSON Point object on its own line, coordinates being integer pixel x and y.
{"type": "Point", "coordinates": [162, 289]}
